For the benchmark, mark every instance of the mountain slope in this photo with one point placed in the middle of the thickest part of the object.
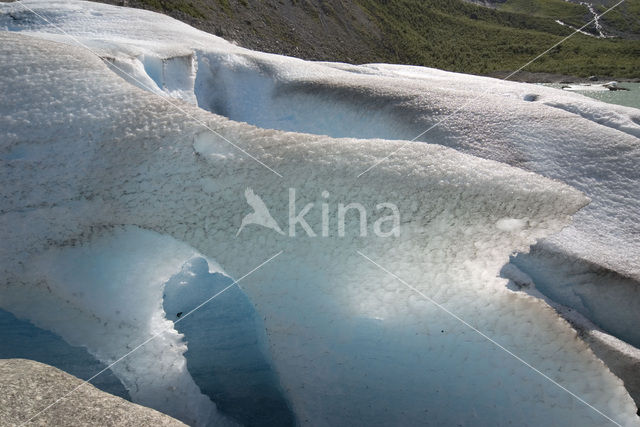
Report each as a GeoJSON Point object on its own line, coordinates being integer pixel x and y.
{"type": "Point", "coordinates": [451, 35]}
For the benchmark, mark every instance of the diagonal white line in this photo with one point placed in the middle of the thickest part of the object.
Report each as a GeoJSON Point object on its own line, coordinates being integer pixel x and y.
{"type": "Point", "coordinates": [152, 337]}
{"type": "Point", "coordinates": [450, 313]}
{"type": "Point", "coordinates": [487, 90]}
{"type": "Point", "coordinates": [165, 99]}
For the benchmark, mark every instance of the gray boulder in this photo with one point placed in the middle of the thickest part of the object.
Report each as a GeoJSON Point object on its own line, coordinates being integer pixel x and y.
{"type": "Point", "coordinates": [27, 387]}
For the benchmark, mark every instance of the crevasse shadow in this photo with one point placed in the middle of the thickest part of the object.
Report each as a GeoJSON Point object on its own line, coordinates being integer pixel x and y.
{"type": "Point", "coordinates": [226, 342]}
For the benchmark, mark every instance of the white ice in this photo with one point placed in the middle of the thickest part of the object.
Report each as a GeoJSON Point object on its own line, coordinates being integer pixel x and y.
{"type": "Point", "coordinates": [84, 153]}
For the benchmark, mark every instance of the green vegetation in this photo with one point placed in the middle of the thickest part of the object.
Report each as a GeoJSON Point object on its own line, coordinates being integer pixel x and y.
{"type": "Point", "coordinates": [225, 6]}
{"type": "Point", "coordinates": [570, 13]}
{"type": "Point", "coordinates": [448, 34]}
{"type": "Point", "coordinates": [169, 6]}
{"type": "Point", "coordinates": [625, 18]}
{"type": "Point", "coordinates": [453, 35]}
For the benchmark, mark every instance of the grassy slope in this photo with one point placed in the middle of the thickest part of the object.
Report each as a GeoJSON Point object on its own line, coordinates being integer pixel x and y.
{"type": "Point", "coordinates": [447, 34]}
{"type": "Point", "coordinates": [625, 18]}
{"type": "Point", "coordinates": [464, 37]}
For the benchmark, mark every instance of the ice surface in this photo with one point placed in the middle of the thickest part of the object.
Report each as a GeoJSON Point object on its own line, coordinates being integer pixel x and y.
{"type": "Point", "coordinates": [611, 301]}
{"type": "Point", "coordinates": [400, 102]}
{"type": "Point", "coordinates": [498, 120]}
{"type": "Point", "coordinates": [622, 358]}
{"type": "Point", "coordinates": [83, 153]}
{"type": "Point", "coordinates": [557, 134]}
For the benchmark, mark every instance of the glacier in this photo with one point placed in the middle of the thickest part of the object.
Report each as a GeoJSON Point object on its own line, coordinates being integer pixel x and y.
{"type": "Point", "coordinates": [110, 192]}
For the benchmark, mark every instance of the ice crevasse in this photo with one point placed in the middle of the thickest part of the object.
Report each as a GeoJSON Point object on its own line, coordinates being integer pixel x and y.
{"type": "Point", "coordinates": [108, 192]}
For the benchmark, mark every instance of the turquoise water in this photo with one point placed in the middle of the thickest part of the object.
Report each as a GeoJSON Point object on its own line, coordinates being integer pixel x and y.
{"type": "Point", "coordinates": [630, 98]}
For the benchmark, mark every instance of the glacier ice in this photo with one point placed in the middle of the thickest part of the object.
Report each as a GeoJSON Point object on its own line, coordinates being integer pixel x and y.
{"type": "Point", "coordinates": [392, 102]}
{"type": "Point", "coordinates": [611, 302]}
{"type": "Point", "coordinates": [107, 297]}
{"type": "Point", "coordinates": [622, 358]}
{"type": "Point", "coordinates": [108, 191]}
{"type": "Point", "coordinates": [386, 101]}
{"type": "Point", "coordinates": [226, 353]}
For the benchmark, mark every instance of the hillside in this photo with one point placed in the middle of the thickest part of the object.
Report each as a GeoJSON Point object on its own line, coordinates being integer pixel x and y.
{"type": "Point", "coordinates": [450, 35]}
